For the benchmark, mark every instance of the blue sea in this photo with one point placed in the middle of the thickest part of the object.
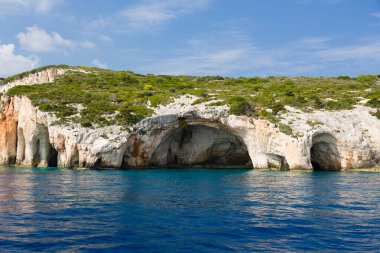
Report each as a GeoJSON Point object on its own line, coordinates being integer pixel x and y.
{"type": "Point", "coordinates": [188, 210]}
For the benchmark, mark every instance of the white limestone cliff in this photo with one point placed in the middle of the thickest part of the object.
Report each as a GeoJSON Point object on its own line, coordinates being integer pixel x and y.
{"type": "Point", "coordinates": [183, 134]}
{"type": "Point", "coordinates": [44, 76]}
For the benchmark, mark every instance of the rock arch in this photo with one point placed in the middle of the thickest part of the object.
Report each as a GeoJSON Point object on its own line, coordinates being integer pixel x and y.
{"type": "Point", "coordinates": [197, 144]}
{"type": "Point", "coordinates": [41, 151]}
{"type": "Point", "coordinates": [277, 162]}
{"type": "Point", "coordinates": [324, 153]}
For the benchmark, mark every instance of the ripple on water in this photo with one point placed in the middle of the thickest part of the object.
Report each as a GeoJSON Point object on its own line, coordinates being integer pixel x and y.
{"type": "Point", "coordinates": [188, 210]}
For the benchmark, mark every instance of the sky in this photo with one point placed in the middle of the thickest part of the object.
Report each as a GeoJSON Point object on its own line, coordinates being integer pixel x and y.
{"type": "Point", "coordinates": [194, 37]}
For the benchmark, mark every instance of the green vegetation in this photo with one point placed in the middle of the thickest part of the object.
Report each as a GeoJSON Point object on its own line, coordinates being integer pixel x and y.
{"type": "Point", "coordinates": [240, 106]}
{"type": "Point", "coordinates": [314, 124]}
{"type": "Point", "coordinates": [286, 129]}
{"type": "Point", "coordinates": [104, 92]}
{"type": "Point", "coordinates": [377, 114]}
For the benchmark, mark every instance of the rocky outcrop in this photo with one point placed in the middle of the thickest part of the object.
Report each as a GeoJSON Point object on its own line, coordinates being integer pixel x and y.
{"type": "Point", "coordinates": [183, 134]}
{"type": "Point", "coordinates": [44, 76]}
{"type": "Point", "coordinates": [29, 137]}
{"type": "Point", "coordinates": [345, 140]}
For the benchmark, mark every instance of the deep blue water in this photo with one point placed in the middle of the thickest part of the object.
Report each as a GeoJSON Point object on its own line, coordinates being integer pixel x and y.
{"type": "Point", "coordinates": [192, 210]}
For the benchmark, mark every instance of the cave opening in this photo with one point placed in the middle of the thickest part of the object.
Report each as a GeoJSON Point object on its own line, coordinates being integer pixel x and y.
{"type": "Point", "coordinates": [53, 157]}
{"type": "Point", "coordinates": [37, 155]}
{"type": "Point", "coordinates": [201, 146]}
{"type": "Point", "coordinates": [324, 154]}
{"type": "Point", "coordinates": [277, 162]}
{"type": "Point", "coordinates": [74, 159]}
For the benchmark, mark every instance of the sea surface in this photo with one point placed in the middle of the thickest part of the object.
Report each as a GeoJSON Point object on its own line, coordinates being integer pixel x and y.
{"type": "Point", "coordinates": [188, 210]}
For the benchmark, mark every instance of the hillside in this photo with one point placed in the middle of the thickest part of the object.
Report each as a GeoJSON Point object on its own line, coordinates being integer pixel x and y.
{"type": "Point", "coordinates": [98, 97]}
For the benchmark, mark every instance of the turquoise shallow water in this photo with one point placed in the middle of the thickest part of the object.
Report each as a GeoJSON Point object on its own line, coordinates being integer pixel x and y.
{"type": "Point", "coordinates": [188, 210]}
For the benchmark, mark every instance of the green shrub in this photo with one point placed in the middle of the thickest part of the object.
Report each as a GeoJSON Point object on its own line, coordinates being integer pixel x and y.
{"type": "Point", "coordinates": [289, 94]}
{"type": "Point", "coordinates": [285, 129]}
{"type": "Point", "coordinates": [374, 102]}
{"type": "Point", "coordinates": [201, 100]}
{"type": "Point", "coordinates": [148, 87]}
{"type": "Point", "coordinates": [289, 83]}
{"type": "Point", "coordinates": [86, 124]}
{"type": "Point", "coordinates": [369, 79]}
{"type": "Point", "coordinates": [217, 103]}
{"type": "Point", "coordinates": [377, 114]}
{"type": "Point", "coordinates": [344, 77]}
{"type": "Point", "coordinates": [318, 103]}
{"type": "Point", "coordinates": [45, 107]}
{"type": "Point", "coordinates": [277, 107]}
{"type": "Point", "coordinates": [240, 106]}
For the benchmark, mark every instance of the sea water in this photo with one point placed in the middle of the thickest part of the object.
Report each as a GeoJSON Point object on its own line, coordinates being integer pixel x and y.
{"type": "Point", "coordinates": [188, 210]}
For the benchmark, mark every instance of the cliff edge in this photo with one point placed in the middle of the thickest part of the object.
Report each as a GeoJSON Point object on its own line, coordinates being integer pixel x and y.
{"type": "Point", "coordinates": [187, 130]}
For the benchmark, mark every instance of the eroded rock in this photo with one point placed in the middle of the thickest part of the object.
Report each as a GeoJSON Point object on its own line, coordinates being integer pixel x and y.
{"type": "Point", "coordinates": [200, 145]}
{"type": "Point", "coordinates": [183, 134]}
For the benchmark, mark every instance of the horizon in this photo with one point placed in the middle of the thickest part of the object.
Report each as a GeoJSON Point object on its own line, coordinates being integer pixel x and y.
{"type": "Point", "coordinates": [311, 38]}
{"type": "Point", "coordinates": [31, 71]}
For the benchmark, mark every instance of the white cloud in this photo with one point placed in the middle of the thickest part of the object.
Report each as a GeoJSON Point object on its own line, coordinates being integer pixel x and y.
{"type": "Point", "coordinates": [148, 14]}
{"type": "Point", "coordinates": [212, 54]}
{"type": "Point", "coordinates": [45, 5]}
{"type": "Point", "coordinates": [99, 64]}
{"type": "Point", "coordinates": [375, 14]}
{"type": "Point", "coordinates": [11, 7]}
{"type": "Point", "coordinates": [11, 63]}
{"type": "Point", "coordinates": [35, 39]}
{"type": "Point", "coordinates": [236, 54]}
{"type": "Point", "coordinates": [104, 37]}
{"type": "Point", "coordinates": [366, 51]}
{"type": "Point", "coordinates": [320, 1]}
{"type": "Point", "coordinates": [154, 12]}
{"type": "Point", "coordinates": [98, 23]}
{"type": "Point", "coordinates": [87, 44]}
{"type": "Point", "coordinates": [314, 42]}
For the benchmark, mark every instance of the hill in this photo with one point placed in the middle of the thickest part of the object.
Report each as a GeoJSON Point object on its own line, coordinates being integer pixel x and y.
{"type": "Point", "coordinates": [99, 97]}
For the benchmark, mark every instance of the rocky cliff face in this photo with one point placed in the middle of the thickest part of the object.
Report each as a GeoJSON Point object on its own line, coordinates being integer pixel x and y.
{"type": "Point", "coordinates": [182, 134]}
{"type": "Point", "coordinates": [45, 76]}
{"type": "Point", "coordinates": [30, 138]}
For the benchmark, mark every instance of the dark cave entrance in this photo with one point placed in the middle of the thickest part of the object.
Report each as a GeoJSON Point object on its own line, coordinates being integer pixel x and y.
{"type": "Point", "coordinates": [200, 146]}
{"type": "Point", "coordinates": [45, 151]}
{"type": "Point", "coordinates": [324, 154]}
{"type": "Point", "coordinates": [53, 157]}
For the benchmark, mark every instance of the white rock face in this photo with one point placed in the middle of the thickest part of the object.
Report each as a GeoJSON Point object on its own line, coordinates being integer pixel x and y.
{"type": "Point", "coordinates": [29, 137]}
{"type": "Point", "coordinates": [345, 139]}
{"type": "Point", "coordinates": [185, 134]}
{"type": "Point", "coordinates": [45, 76]}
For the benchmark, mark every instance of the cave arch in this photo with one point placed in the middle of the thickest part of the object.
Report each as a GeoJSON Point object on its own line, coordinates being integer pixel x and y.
{"type": "Point", "coordinates": [200, 145]}
{"type": "Point", "coordinates": [43, 152]}
{"type": "Point", "coordinates": [324, 154]}
{"type": "Point", "coordinates": [277, 162]}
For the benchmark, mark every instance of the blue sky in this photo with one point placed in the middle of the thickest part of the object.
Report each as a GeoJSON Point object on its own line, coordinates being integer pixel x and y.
{"type": "Point", "coordinates": [194, 37]}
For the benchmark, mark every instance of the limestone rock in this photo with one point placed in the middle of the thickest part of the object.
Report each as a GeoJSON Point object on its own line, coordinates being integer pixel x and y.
{"type": "Point", "coordinates": [186, 134]}
{"type": "Point", "coordinates": [44, 76]}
